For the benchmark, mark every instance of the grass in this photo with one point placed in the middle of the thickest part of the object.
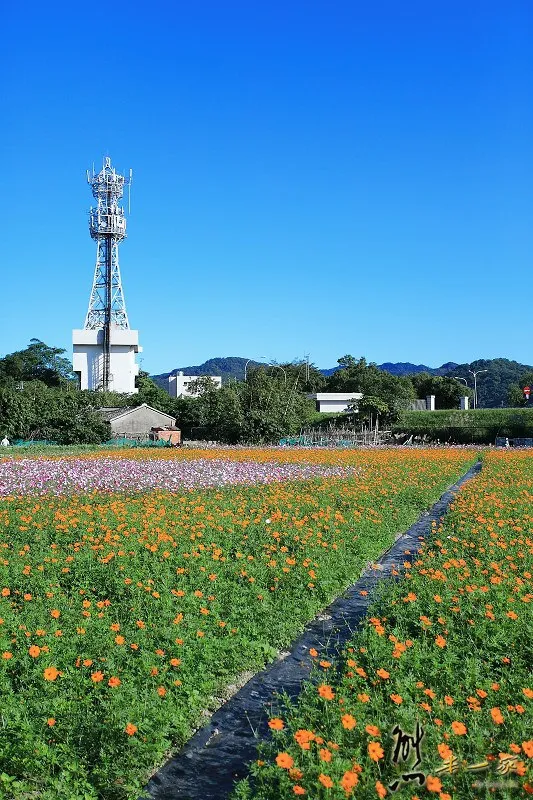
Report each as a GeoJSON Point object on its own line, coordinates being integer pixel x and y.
{"type": "Point", "coordinates": [122, 616]}
{"type": "Point", "coordinates": [449, 648]}
{"type": "Point", "coordinates": [480, 425]}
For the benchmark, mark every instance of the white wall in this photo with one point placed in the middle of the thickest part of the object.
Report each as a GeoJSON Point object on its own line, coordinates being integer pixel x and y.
{"type": "Point", "coordinates": [335, 406]}
{"type": "Point", "coordinates": [178, 385]}
{"type": "Point", "coordinates": [88, 359]}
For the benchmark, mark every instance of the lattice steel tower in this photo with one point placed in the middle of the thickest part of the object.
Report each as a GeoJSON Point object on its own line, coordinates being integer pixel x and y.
{"type": "Point", "coordinates": [104, 351]}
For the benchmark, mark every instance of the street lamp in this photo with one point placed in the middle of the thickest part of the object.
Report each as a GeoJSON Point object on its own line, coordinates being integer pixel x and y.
{"type": "Point", "coordinates": [475, 373]}
{"type": "Point", "coordinates": [246, 365]}
{"type": "Point", "coordinates": [281, 368]}
{"type": "Point", "coordinates": [458, 378]}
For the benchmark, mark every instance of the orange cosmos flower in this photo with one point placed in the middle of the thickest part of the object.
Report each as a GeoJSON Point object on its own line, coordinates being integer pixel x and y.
{"type": "Point", "coordinates": [34, 651]}
{"type": "Point", "coordinates": [113, 682]}
{"type": "Point", "coordinates": [383, 673]}
{"type": "Point", "coordinates": [50, 674]}
{"type": "Point", "coordinates": [131, 729]}
{"type": "Point", "coordinates": [348, 722]}
{"type": "Point", "coordinates": [298, 789]}
{"type": "Point", "coordinates": [175, 662]}
{"type": "Point", "coordinates": [349, 781]}
{"type": "Point", "coordinates": [440, 641]}
{"type": "Point", "coordinates": [458, 728]}
{"type": "Point", "coordinates": [161, 691]}
{"type": "Point", "coordinates": [396, 698]}
{"type": "Point", "coordinates": [55, 613]}
{"type": "Point", "coordinates": [284, 760]}
{"type": "Point", "coordinates": [119, 639]}
{"type": "Point", "coordinates": [324, 754]}
{"type": "Point", "coordinates": [528, 693]}
{"type": "Point", "coordinates": [50, 722]}
{"type": "Point", "coordinates": [295, 774]}
{"type": "Point", "coordinates": [303, 738]}
{"type": "Point", "coordinates": [373, 730]}
{"type": "Point", "coordinates": [448, 700]}
{"type": "Point", "coordinates": [97, 676]}
{"type": "Point", "coordinates": [363, 698]}
{"type": "Point", "coordinates": [326, 691]}
{"type": "Point", "coordinates": [433, 784]}
{"type": "Point", "coordinates": [276, 724]}
{"type": "Point", "coordinates": [375, 751]}
{"type": "Point", "coordinates": [380, 789]}
{"type": "Point", "coordinates": [325, 780]}
{"type": "Point", "coordinates": [497, 716]}
{"type": "Point", "coordinates": [527, 747]}
{"type": "Point", "coordinates": [445, 752]}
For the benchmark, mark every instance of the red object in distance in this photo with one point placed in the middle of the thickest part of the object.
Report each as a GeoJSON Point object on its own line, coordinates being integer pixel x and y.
{"type": "Point", "coordinates": [527, 392]}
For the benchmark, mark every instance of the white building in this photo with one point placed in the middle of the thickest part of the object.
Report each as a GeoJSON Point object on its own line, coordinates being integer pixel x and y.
{"type": "Point", "coordinates": [88, 359]}
{"type": "Point", "coordinates": [178, 385]}
{"type": "Point", "coordinates": [335, 402]}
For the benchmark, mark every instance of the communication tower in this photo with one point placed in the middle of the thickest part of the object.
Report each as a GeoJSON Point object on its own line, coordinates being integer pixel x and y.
{"type": "Point", "coordinates": [104, 351]}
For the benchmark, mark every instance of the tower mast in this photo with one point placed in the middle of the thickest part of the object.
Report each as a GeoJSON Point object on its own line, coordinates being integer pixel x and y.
{"type": "Point", "coordinates": [106, 322]}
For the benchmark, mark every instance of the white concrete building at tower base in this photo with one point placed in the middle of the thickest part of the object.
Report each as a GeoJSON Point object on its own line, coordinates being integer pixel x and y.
{"type": "Point", "coordinates": [88, 359]}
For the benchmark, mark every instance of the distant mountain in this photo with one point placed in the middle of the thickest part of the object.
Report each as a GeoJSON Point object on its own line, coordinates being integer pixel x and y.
{"type": "Point", "coordinates": [231, 367]}
{"type": "Point", "coordinates": [404, 368]}
{"type": "Point", "coordinates": [494, 376]}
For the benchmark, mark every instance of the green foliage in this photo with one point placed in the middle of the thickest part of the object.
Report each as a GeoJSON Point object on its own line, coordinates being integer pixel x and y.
{"type": "Point", "coordinates": [264, 409]}
{"type": "Point", "coordinates": [494, 385]}
{"type": "Point", "coordinates": [447, 391]}
{"type": "Point", "coordinates": [515, 396]}
{"type": "Point", "coordinates": [358, 376]}
{"type": "Point", "coordinates": [40, 412]}
{"type": "Point", "coordinates": [478, 425]}
{"type": "Point", "coordinates": [37, 362]}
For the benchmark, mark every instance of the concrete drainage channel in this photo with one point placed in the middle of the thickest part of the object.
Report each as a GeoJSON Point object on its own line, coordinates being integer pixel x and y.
{"type": "Point", "coordinates": [217, 755]}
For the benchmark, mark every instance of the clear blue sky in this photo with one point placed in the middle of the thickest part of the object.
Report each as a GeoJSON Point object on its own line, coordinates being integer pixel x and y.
{"type": "Point", "coordinates": [321, 177]}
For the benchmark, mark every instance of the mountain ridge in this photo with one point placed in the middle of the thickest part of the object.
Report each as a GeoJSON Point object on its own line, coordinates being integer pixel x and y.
{"type": "Point", "coordinates": [234, 366]}
{"type": "Point", "coordinates": [496, 378]}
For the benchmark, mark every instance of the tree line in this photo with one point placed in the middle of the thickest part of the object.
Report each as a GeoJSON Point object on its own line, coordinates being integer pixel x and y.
{"type": "Point", "coordinates": [39, 399]}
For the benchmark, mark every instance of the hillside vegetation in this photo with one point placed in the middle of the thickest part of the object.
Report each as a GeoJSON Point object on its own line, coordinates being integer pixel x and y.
{"type": "Point", "coordinates": [481, 425]}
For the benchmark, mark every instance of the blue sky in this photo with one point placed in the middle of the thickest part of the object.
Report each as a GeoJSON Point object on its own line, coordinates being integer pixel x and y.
{"type": "Point", "coordinates": [321, 177]}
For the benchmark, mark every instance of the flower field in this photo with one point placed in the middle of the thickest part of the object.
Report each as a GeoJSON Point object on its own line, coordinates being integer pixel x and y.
{"type": "Point", "coordinates": [441, 674]}
{"type": "Point", "coordinates": [126, 606]}
{"type": "Point", "coordinates": [74, 475]}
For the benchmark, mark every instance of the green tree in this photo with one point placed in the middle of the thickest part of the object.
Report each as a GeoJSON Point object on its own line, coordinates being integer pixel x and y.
{"type": "Point", "coordinates": [359, 377]}
{"type": "Point", "coordinates": [151, 394]}
{"type": "Point", "coordinates": [447, 391]}
{"type": "Point", "coordinates": [38, 362]}
{"type": "Point", "coordinates": [369, 407]}
{"type": "Point", "coordinates": [515, 396]}
{"type": "Point", "coordinates": [37, 411]}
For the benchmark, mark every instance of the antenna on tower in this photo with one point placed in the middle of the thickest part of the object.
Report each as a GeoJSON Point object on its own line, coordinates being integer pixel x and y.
{"type": "Point", "coordinates": [129, 191]}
